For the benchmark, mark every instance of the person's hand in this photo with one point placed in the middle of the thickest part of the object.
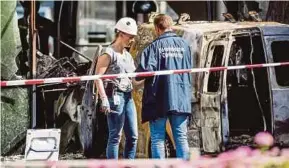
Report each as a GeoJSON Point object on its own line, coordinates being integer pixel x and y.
{"type": "Point", "coordinates": [138, 85]}
{"type": "Point", "coordinates": [105, 107]}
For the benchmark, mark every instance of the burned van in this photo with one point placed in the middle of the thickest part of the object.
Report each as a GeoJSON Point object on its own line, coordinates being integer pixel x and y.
{"type": "Point", "coordinates": [231, 106]}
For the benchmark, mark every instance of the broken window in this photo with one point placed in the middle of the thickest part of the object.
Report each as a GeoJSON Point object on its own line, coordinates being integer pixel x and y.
{"type": "Point", "coordinates": [238, 77]}
{"type": "Point", "coordinates": [279, 55]}
{"type": "Point", "coordinates": [214, 77]}
{"type": "Point", "coordinates": [247, 89]}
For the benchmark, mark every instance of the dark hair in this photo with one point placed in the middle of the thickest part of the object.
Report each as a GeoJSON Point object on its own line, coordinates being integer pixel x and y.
{"type": "Point", "coordinates": [163, 21]}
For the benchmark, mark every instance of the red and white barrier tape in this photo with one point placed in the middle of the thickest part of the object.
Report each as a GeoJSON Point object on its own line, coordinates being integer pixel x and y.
{"type": "Point", "coordinates": [141, 74]}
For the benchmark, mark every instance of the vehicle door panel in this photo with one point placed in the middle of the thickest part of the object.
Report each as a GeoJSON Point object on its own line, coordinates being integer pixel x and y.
{"type": "Point", "coordinates": [210, 125]}
{"type": "Point", "coordinates": [211, 98]}
{"type": "Point", "coordinates": [279, 87]}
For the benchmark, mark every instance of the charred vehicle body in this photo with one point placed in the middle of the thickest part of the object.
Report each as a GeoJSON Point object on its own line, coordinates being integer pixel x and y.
{"type": "Point", "coordinates": [229, 106]}
{"type": "Point", "coordinates": [236, 103]}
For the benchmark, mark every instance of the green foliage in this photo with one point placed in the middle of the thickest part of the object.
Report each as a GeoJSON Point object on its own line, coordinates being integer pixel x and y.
{"type": "Point", "coordinates": [10, 39]}
{"type": "Point", "coordinates": [14, 101]}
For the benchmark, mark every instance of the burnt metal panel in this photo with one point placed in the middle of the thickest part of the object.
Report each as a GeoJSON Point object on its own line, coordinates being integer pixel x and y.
{"type": "Point", "coordinates": [210, 122]}
{"type": "Point", "coordinates": [194, 129]}
{"type": "Point", "coordinates": [280, 97]}
{"type": "Point", "coordinates": [275, 30]}
{"type": "Point", "coordinates": [210, 101]}
{"type": "Point", "coordinates": [281, 116]}
{"type": "Point", "coordinates": [93, 124]}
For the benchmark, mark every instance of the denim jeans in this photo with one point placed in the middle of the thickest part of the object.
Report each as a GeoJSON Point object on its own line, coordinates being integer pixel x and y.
{"type": "Point", "coordinates": [123, 116]}
{"type": "Point", "coordinates": [178, 124]}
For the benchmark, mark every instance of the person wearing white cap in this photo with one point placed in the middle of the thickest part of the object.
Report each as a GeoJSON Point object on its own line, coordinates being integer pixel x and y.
{"type": "Point", "coordinates": [115, 94]}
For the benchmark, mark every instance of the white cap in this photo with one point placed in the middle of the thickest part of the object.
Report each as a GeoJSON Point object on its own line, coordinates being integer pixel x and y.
{"type": "Point", "coordinates": [127, 25]}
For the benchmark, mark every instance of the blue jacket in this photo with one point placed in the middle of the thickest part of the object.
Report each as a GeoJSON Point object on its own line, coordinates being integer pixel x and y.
{"type": "Point", "coordinates": [166, 93]}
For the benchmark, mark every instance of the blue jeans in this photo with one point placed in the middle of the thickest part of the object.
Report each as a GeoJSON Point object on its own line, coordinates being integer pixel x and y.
{"type": "Point", "coordinates": [124, 116]}
{"type": "Point", "coordinates": [178, 124]}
